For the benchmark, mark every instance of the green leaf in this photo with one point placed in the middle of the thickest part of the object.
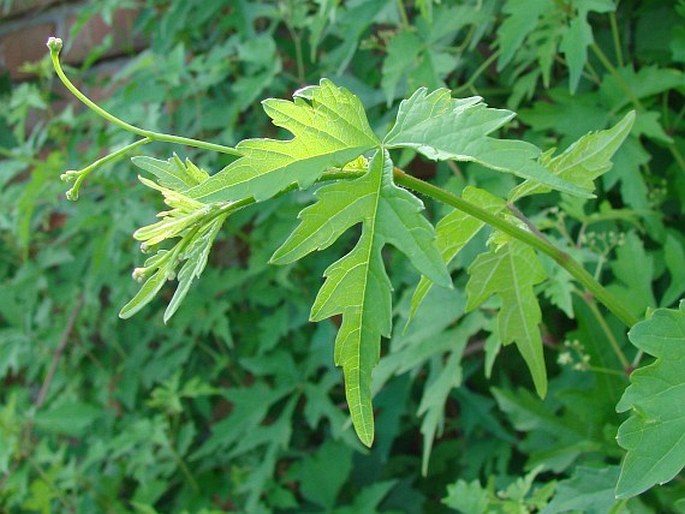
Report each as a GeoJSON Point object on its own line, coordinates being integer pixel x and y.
{"type": "Point", "coordinates": [467, 497]}
{"type": "Point", "coordinates": [522, 18]}
{"type": "Point", "coordinates": [441, 127]}
{"type": "Point", "coordinates": [145, 294]}
{"type": "Point", "coordinates": [510, 271]}
{"type": "Point", "coordinates": [196, 224]}
{"type": "Point", "coordinates": [172, 173]}
{"type": "Point", "coordinates": [452, 233]}
{"type": "Point", "coordinates": [195, 261]}
{"type": "Point", "coordinates": [589, 490]}
{"type": "Point", "coordinates": [329, 131]}
{"type": "Point", "coordinates": [674, 255]}
{"type": "Point", "coordinates": [584, 161]}
{"type": "Point", "coordinates": [633, 270]}
{"type": "Point", "coordinates": [72, 418]}
{"type": "Point", "coordinates": [320, 482]}
{"type": "Point", "coordinates": [357, 286]}
{"type": "Point", "coordinates": [435, 394]}
{"type": "Point", "coordinates": [403, 50]}
{"type": "Point", "coordinates": [654, 433]}
{"type": "Point", "coordinates": [649, 81]}
{"type": "Point", "coordinates": [574, 45]}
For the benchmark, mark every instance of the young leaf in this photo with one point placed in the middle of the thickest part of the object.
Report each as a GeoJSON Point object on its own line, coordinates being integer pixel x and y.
{"type": "Point", "coordinates": [653, 435]}
{"type": "Point", "coordinates": [441, 127]}
{"type": "Point", "coordinates": [172, 173]}
{"type": "Point", "coordinates": [145, 294]}
{"type": "Point", "coordinates": [510, 271]}
{"type": "Point", "coordinates": [195, 261]}
{"type": "Point", "coordinates": [195, 224]}
{"type": "Point", "coordinates": [452, 233]}
{"type": "Point", "coordinates": [357, 286]}
{"type": "Point", "coordinates": [329, 131]}
{"type": "Point", "coordinates": [583, 161]}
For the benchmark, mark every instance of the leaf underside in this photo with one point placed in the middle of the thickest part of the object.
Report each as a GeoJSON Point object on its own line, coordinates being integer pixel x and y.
{"type": "Point", "coordinates": [357, 286]}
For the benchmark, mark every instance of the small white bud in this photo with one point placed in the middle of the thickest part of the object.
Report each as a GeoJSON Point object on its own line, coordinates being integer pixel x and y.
{"type": "Point", "coordinates": [54, 44]}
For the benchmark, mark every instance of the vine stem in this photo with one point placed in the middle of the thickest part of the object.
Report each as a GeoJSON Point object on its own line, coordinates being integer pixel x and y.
{"type": "Point", "coordinates": [616, 38]}
{"type": "Point", "coordinates": [55, 45]}
{"type": "Point", "coordinates": [541, 244]}
{"type": "Point", "coordinates": [479, 71]}
{"type": "Point", "coordinates": [592, 305]}
{"type": "Point", "coordinates": [562, 258]}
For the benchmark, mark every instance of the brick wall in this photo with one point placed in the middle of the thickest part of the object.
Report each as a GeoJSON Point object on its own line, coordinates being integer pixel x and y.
{"type": "Point", "coordinates": [25, 26]}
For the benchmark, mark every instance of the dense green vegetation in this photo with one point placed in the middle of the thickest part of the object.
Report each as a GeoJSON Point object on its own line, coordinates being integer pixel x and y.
{"type": "Point", "coordinates": [235, 404]}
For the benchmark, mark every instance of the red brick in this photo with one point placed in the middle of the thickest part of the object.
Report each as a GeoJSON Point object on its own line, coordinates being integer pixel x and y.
{"type": "Point", "coordinates": [24, 45]}
{"type": "Point", "coordinates": [95, 31]}
{"type": "Point", "coordinates": [18, 7]}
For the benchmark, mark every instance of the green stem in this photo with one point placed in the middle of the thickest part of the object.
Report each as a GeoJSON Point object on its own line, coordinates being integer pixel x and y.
{"type": "Point", "coordinates": [55, 46]}
{"type": "Point", "coordinates": [592, 305]}
{"type": "Point", "coordinates": [617, 76]}
{"type": "Point", "coordinates": [79, 176]}
{"type": "Point", "coordinates": [403, 14]}
{"type": "Point", "coordinates": [677, 155]}
{"type": "Point", "coordinates": [479, 71]}
{"type": "Point", "coordinates": [562, 258]}
{"type": "Point", "coordinates": [617, 40]}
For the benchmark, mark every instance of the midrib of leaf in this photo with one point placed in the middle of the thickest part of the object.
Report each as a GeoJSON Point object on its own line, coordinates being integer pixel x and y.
{"type": "Point", "coordinates": [537, 367]}
{"type": "Point", "coordinates": [522, 317]}
{"type": "Point", "coordinates": [363, 425]}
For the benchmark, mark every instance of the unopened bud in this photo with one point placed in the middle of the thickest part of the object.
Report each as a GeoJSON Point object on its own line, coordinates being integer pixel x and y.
{"type": "Point", "coordinates": [69, 176]}
{"type": "Point", "coordinates": [139, 274]}
{"type": "Point", "coordinates": [72, 194]}
{"type": "Point", "coordinates": [54, 44]}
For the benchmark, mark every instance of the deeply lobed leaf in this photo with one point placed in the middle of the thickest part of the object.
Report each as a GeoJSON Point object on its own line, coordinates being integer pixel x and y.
{"type": "Point", "coordinates": [330, 128]}
{"type": "Point", "coordinates": [510, 271]}
{"type": "Point", "coordinates": [357, 285]}
{"type": "Point", "coordinates": [441, 127]}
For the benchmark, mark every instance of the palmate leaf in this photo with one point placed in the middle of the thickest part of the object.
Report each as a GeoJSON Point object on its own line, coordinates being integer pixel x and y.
{"type": "Point", "coordinates": [583, 161]}
{"type": "Point", "coordinates": [654, 435]}
{"type": "Point", "coordinates": [357, 285]}
{"type": "Point", "coordinates": [441, 127]}
{"type": "Point", "coordinates": [330, 128]}
{"type": "Point", "coordinates": [510, 271]}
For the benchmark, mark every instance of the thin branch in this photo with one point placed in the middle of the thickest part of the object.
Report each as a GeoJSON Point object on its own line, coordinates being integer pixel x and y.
{"type": "Point", "coordinates": [59, 351]}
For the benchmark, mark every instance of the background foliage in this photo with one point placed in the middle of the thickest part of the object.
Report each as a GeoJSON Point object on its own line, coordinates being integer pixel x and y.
{"type": "Point", "coordinates": [236, 405]}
